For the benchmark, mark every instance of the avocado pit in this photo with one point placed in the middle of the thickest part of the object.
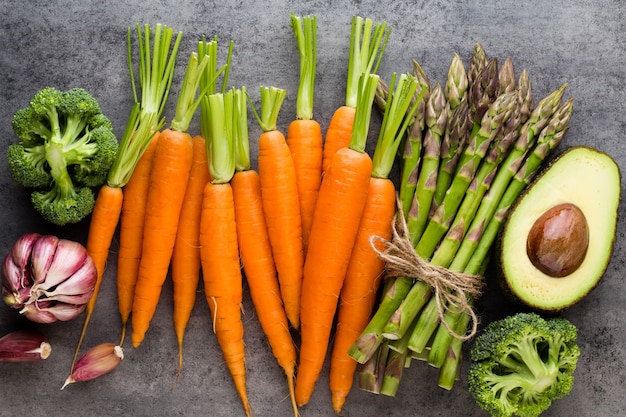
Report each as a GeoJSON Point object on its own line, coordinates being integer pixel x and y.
{"type": "Point", "coordinates": [558, 240]}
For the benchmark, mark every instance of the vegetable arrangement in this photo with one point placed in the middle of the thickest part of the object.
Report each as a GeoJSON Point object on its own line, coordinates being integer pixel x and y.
{"type": "Point", "coordinates": [323, 236]}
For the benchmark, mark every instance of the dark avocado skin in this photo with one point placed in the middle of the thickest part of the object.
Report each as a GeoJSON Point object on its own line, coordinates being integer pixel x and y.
{"type": "Point", "coordinates": [501, 279]}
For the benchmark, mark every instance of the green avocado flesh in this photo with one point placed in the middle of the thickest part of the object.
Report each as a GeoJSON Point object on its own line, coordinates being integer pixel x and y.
{"type": "Point", "coordinates": [586, 182]}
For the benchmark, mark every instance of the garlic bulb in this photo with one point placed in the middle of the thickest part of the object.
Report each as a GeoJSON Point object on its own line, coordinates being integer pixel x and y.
{"type": "Point", "coordinates": [48, 278]}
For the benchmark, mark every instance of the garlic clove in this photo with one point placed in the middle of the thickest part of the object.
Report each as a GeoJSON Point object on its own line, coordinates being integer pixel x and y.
{"type": "Point", "coordinates": [42, 256]}
{"type": "Point", "coordinates": [14, 275]}
{"type": "Point", "coordinates": [48, 311]}
{"type": "Point", "coordinates": [20, 256]}
{"type": "Point", "coordinates": [97, 361]}
{"type": "Point", "coordinates": [24, 346]}
{"type": "Point", "coordinates": [68, 258]}
{"type": "Point", "coordinates": [83, 281]}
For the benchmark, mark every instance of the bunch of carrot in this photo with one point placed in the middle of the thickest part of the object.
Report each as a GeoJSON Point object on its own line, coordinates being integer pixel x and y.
{"type": "Point", "coordinates": [302, 228]}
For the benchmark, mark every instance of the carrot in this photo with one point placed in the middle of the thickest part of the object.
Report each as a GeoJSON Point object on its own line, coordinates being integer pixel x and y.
{"type": "Point", "coordinates": [256, 254]}
{"type": "Point", "coordinates": [304, 134]}
{"type": "Point", "coordinates": [219, 249]}
{"type": "Point", "coordinates": [335, 224]}
{"type": "Point", "coordinates": [131, 232]}
{"type": "Point", "coordinates": [171, 166]}
{"type": "Point", "coordinates": [365, 269]}
{"type": "Point", "coordinates": [279, 196]}
{"type": "Point", "coordinates": [367, 45]}
{"type": "Point", "coordinates": [185, 265]}
{"type": "Point", "coordinates": [102, 227]}
{"type": "Point", "coordinates": [156, 69]}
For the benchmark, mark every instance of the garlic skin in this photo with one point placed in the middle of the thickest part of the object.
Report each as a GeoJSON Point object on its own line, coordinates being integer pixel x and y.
{"type": "Point", "coordinates": [48, 278]}
{"type": "Point", "coordinates": [24, 346]}
{"type": "Point", "coordinates": [97, 361]}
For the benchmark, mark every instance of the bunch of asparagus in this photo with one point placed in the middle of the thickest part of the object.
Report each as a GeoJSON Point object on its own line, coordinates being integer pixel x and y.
{"type": "Point", "coordinates": [474, 145]}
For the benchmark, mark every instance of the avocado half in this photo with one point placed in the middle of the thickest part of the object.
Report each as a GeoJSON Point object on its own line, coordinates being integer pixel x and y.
{"type": "Point", "coordinates": [551, 257]}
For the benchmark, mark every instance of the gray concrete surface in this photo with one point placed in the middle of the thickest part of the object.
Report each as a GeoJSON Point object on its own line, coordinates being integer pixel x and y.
{"type": "Point", "coordinates": [82, 43]}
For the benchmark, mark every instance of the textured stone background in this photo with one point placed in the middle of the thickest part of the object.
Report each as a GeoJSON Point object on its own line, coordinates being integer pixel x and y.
{"type": "Point", "coordinates": [82, 43]}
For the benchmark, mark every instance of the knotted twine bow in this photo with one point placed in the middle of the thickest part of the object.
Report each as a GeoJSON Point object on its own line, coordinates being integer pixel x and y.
{"type": "Point", "coordinates": [452, 290]}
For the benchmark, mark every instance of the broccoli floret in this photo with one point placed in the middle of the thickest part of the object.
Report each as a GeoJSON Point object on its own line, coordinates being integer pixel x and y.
{"type": "Point", "coordinates": [520, 364]}
{"type": "Point", "coordinates": [66, 145]}
{"type": "Point", "coordinates": [59, 208]}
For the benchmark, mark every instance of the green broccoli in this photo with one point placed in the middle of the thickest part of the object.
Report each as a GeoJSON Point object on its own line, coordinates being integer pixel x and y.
{"type": "Point", "coordinates": [520, 364]}
{"type": "Point", "coordinates": [66, 146]}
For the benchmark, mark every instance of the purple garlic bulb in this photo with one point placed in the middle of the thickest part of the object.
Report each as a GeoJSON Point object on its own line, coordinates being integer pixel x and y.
{"type": "Point", "coordinates": [47, 278]}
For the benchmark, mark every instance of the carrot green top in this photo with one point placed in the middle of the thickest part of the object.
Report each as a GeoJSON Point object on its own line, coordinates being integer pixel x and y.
{"type": "Point", "coordinates": [271, 101]}
{"type": "Point", "coordinates": [399, 113]}
{"type": "Point", "coordinates": [304, 30]}
{"type": "Point", "coordinates": [367, 44]}
{"type": "Point", "coordinates": [221, 141]}
{"type": "Point", "coordinates": [208, 79]}
{"type": "Point", "coordinates": [157, 57]}
{"type": "Point", "coordinates": [366, 92]}
{"type": "Point", "coordinates": [187, 102]}
{"type": "Point", "coordinates": [240, 131]}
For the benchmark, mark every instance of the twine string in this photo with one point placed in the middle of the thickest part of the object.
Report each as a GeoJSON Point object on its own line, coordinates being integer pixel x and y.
{"type": "Point", "coordinates": [452, 290]}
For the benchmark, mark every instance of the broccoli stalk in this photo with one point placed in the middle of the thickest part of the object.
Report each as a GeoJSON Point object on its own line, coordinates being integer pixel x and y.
{"type": "Point", "coordinates": [521, 363]}
{"type": "Point", "coordinates": [66, 146]}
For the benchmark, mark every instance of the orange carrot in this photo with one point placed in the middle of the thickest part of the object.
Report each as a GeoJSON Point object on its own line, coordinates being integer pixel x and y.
{"type": "Point", "coordinates": [102, 226]}
{"type": "Point", "coordinates": [171, 166]}
{"type": "Point", "coordinates": [143, 121]}
{"type": "Point", "coordinates": [219, 249]}
{"type": "Point", "coordinates": [335, 224]}
{"type": "Point", "coordinates": [304, 135]}
{"type": "Point", "coordinates": [366, 50]}
{"type": "Point", "coordinates": [279, 195]}
{"type": "Point", "coordinates": [223, 280]}
{"type": "Point", "coordinates": [365, 268]}
{"type": "Point", "coordinates": [131, 233]}
{"type": "Point", "coordinates": [185, 266]}
{"type": "Point", "coordinates": [257, 259]}
{"type": "Point", "coordinates": [168, 182]}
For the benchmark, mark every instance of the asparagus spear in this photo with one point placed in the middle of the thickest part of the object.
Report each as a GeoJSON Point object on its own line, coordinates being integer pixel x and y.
{"type": "Point", "coordinates": [394, 367]}
{"type": "Point", "coordinates": [456, 127]}
{"type": "Point", "coordinates": [484, 90]}
{"type": "Point", "coordinates": [436, 116]}
{"type": "Point", "coordinates": [506, 77]}
{"type": "Point", "coordinates": [372, 371]}
{"type": "Point", "coordinates": [526, 95]}
{"type": "Point", "coordinates": [413, 145]}
{"type": "Point", "coordinates": [456, 82]}
{"type": "Point", "coordinates": [478, 61]}
{"type": "Point", "coordinates": [455, 139]}
{"type": "Point", "coordinates": [449, 371]}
